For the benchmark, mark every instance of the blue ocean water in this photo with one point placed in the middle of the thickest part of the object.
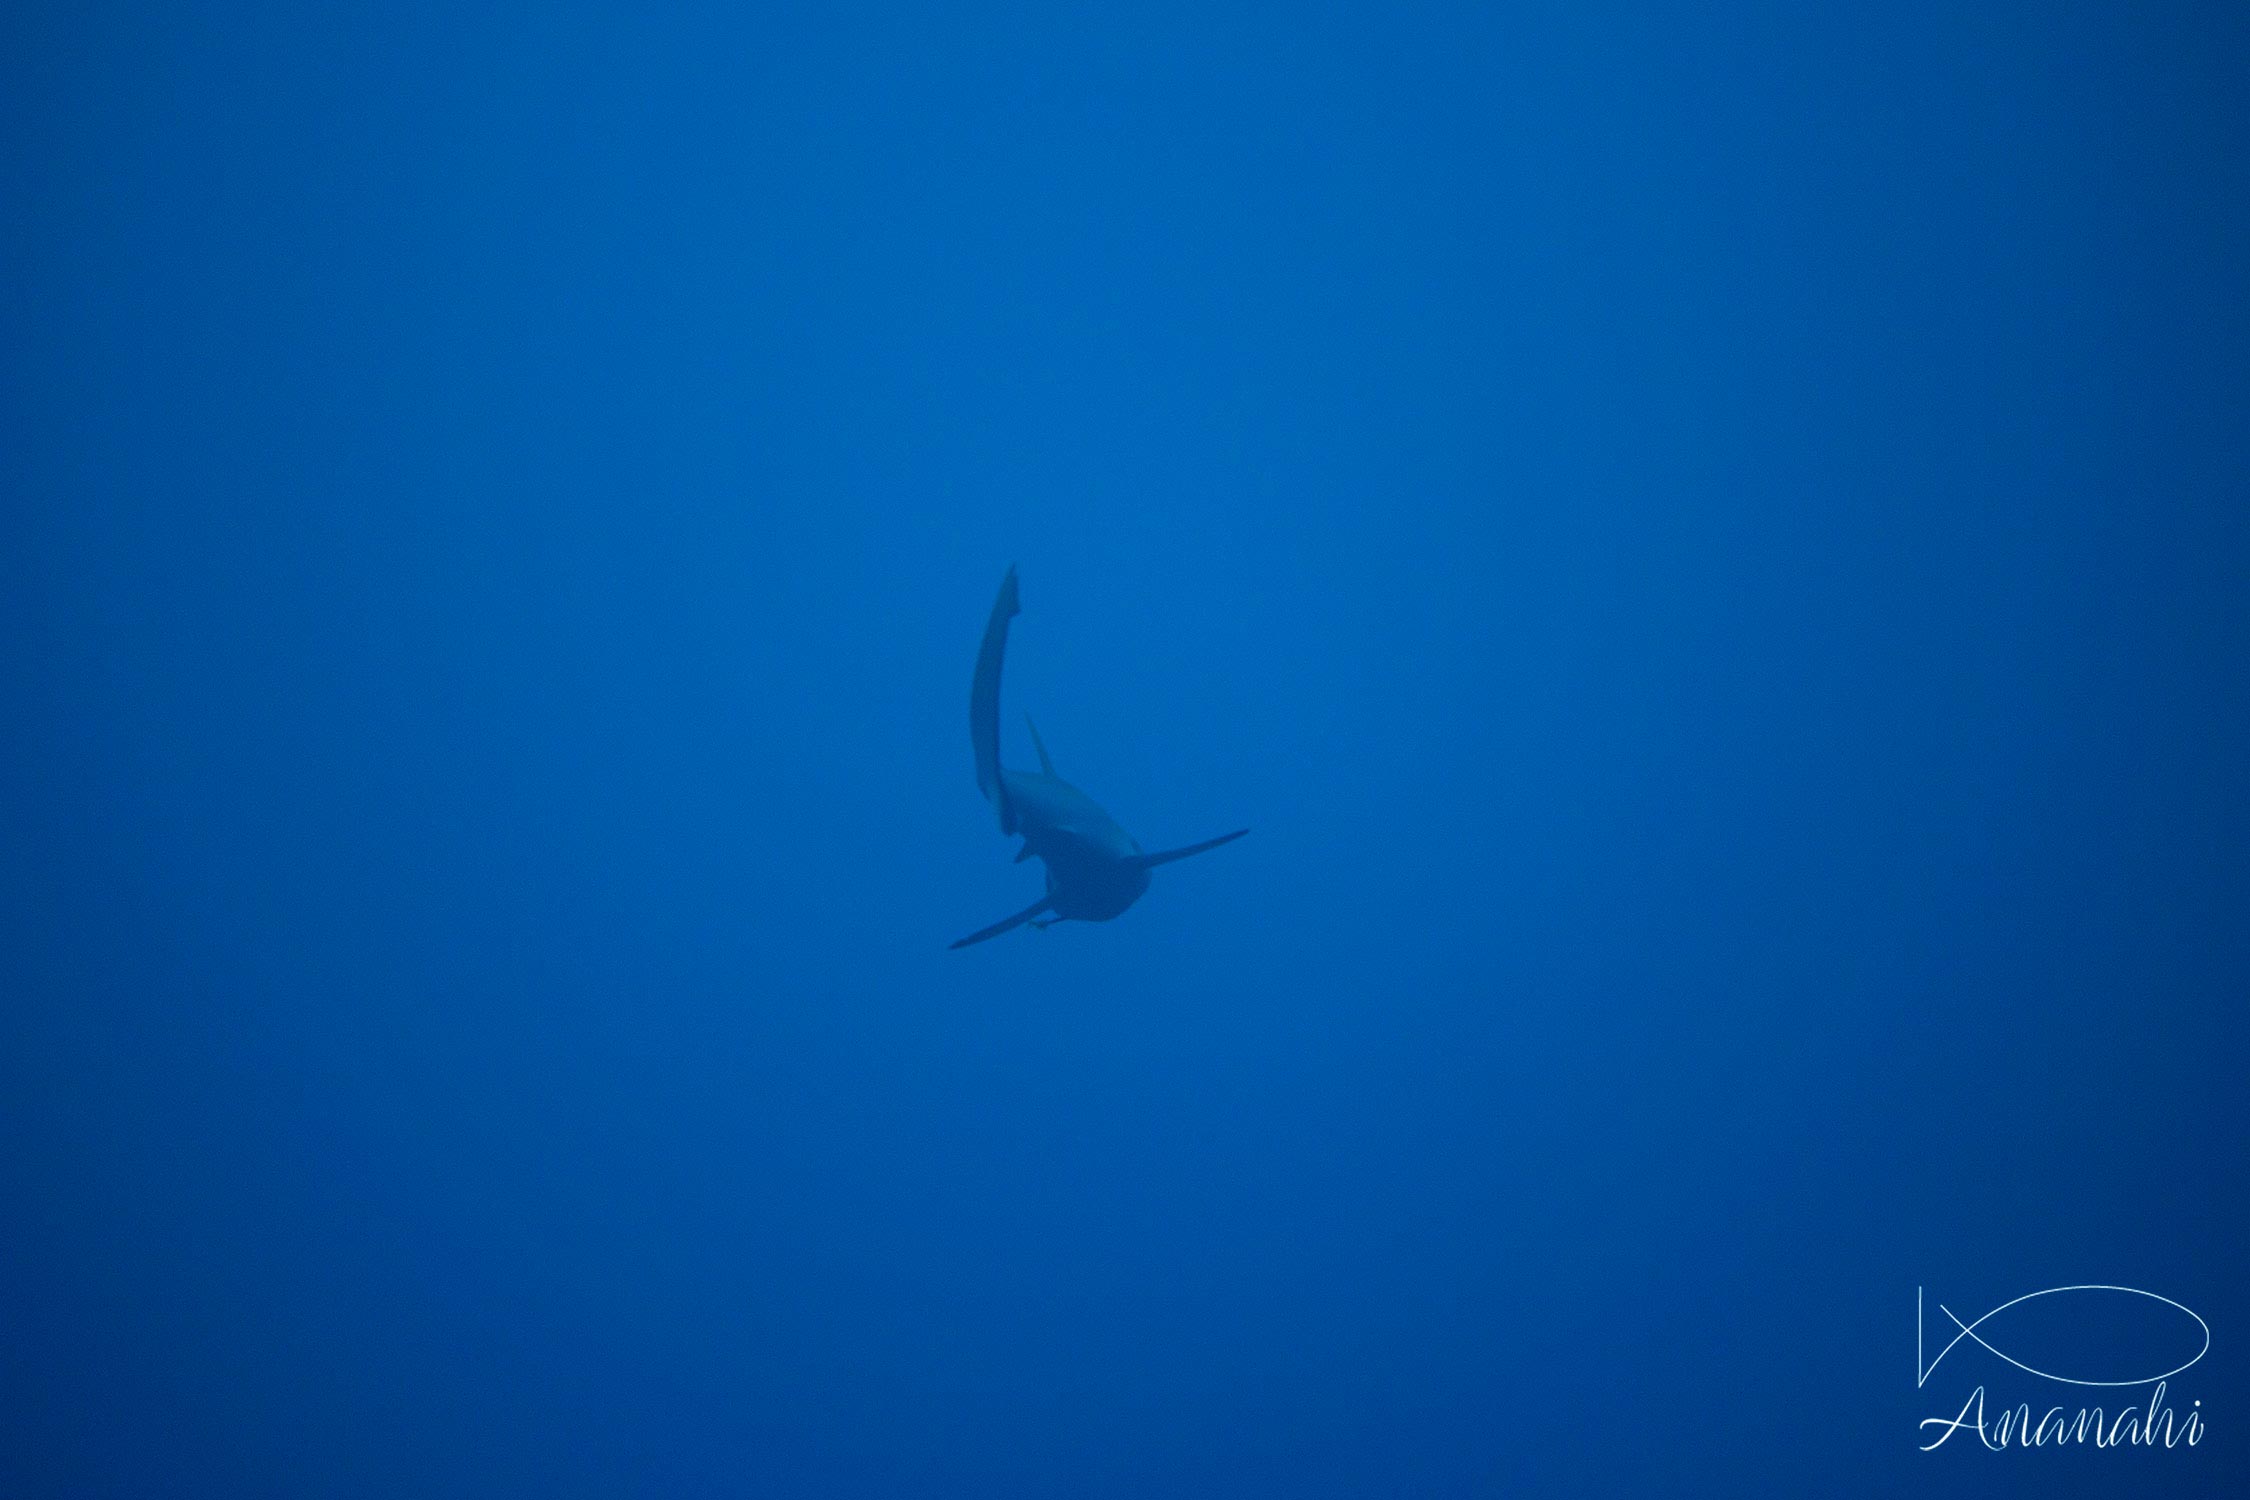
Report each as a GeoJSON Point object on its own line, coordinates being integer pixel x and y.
{"type": "Point", "coordinates": [1708, 546]}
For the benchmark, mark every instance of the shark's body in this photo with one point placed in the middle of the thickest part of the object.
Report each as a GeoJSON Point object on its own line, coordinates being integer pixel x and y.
{"type": "Point", "coordinates": [1095, 869]}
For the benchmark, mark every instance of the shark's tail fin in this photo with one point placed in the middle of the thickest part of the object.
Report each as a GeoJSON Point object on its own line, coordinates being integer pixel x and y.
{"type": "Point", "coordinates": [1166, 856]}
{"type": "Point", "coordinates": [984, 702]}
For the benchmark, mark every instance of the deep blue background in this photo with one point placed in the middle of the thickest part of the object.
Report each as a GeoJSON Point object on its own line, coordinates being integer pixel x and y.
{"type": "Point", "coordinates": [1711, 549]}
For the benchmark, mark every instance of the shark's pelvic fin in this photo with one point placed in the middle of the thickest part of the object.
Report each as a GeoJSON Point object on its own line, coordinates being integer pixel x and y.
{"type": "Point", "coordinates": [1166, 856]}
{"type": "Point", "coordinates": [984, 704]}
{"type": "Point", "coordinates": [1039, 745]}
{"type": "Point", "coordinates": [1005, 923]}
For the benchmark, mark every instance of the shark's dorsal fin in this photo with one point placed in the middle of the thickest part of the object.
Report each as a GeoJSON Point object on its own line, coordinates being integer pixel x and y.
{"type": "Point", "coordinates": [1037, 744]}
{"type": "Point", "coordinates": [1166, 856]}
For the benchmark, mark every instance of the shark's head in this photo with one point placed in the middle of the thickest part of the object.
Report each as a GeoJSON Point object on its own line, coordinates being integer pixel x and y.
{"type": "Point", "coordinates": [1094, 890]}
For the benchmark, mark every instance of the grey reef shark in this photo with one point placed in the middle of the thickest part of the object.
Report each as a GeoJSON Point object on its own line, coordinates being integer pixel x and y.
{"type": "Point", "coordinates": [1095, 869]}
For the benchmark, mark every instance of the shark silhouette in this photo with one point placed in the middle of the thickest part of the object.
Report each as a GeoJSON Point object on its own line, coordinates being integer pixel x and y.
{"type": "Point", "coordinates": [1095, 869]}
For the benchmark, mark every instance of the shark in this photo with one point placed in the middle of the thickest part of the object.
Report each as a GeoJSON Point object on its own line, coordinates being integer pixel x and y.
{"type": "Point", "coordinates": [1095, 869]}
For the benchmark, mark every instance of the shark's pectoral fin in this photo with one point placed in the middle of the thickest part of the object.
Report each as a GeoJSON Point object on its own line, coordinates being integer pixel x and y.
{"type": "Point", "coordinates": [1021, 917]}
{"type": "Point", "coordinates": [1166, 856]}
